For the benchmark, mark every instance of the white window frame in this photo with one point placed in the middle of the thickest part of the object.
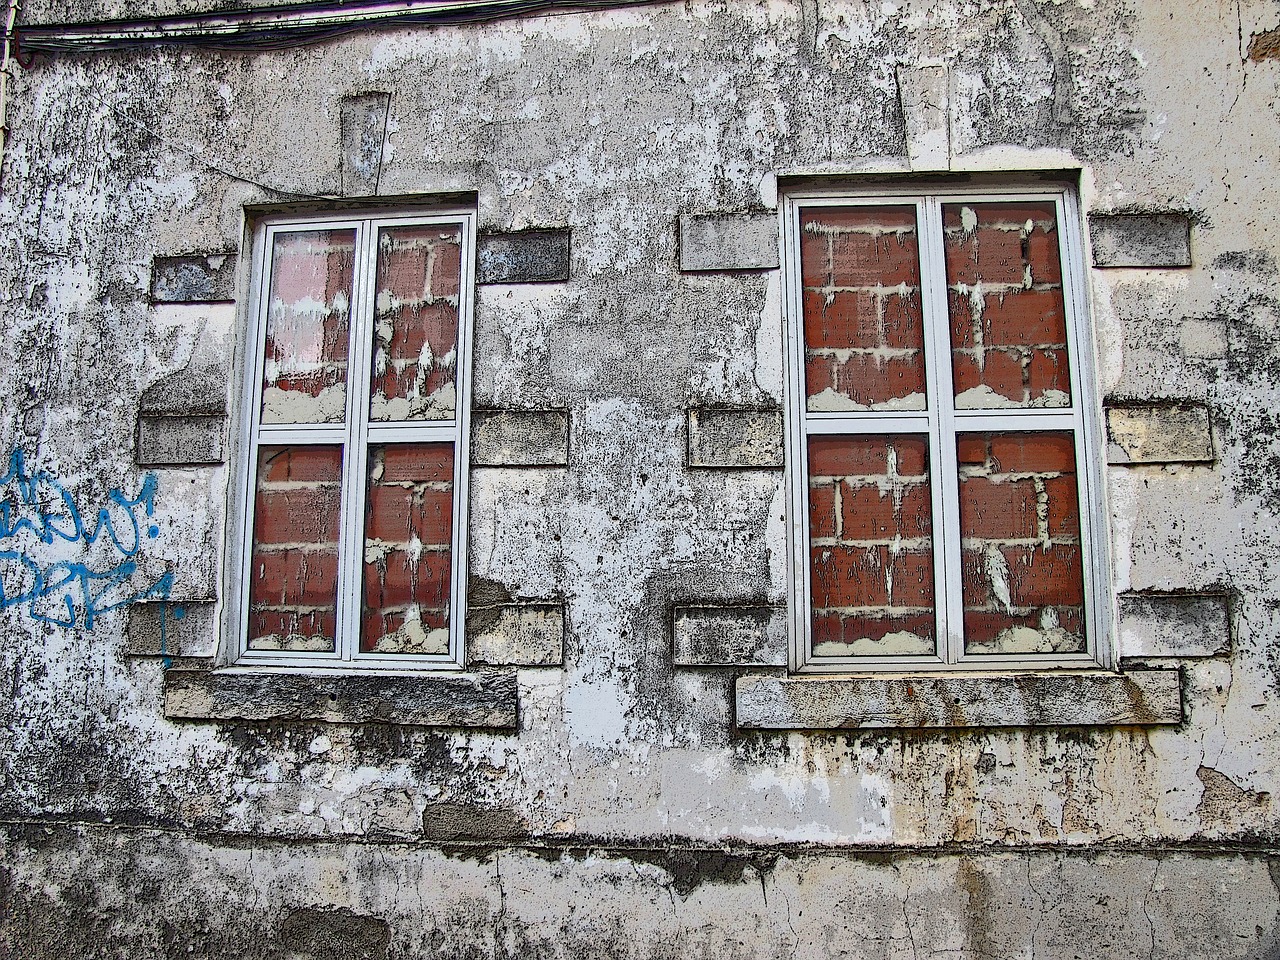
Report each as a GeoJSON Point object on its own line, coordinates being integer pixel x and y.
{"type": "Point", "coordinates": [941, 422]}
{"type": "Point", "coordinates": [356, 435]}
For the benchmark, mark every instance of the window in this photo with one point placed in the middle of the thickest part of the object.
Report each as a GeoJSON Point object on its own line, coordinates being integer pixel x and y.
{"type": "Point", "coordinates": [943, 482]}
{"type": "Point", "coordinates": [355, 452]}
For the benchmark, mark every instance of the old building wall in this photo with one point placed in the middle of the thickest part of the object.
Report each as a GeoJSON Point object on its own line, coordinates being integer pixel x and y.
{"type": "Point", "coordinates": [628, 798]}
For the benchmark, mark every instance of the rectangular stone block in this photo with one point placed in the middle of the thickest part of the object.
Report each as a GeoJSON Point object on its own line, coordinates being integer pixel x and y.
{"type": "Point", "coordinates": [194, 278]}
{"type": "Point", "coordinates": [171, 629]}
{"type": "Point", "coordinates": [720, 636]}
{"type": "Point", "coordinates": [1140, 240]}
{"type": "Point", "coordinates": [1137, 698]}
{"type": "Point", "coordinates": [174, 441]}
{"type": "Point", "coordinates": [728, 241]}
{"type": "Point", "coordinates": [528, 256]}
{"type": "Point", "coordinates": [520, 438]}
{"type": "Point", "coordinates": [1166, 434]}
{"type": "Point", "coordinates": [364, 128]}
{"type": "Point", "coordinates": [518, 634]}
{"type": "Point", "coordinates": [1174, 625]}
{"type": "Point", "coordinates": [487, 700]}
{"type": "Point", "coordinates": [735, 438]}
{"type": "Point", "coordinates": [193, 391]}
{"type": "Point", "coordinates": [923, 92]}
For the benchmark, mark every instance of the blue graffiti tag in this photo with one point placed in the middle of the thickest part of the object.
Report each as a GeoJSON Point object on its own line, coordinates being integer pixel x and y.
{"type": "Point", "coordinates": [35, 509]}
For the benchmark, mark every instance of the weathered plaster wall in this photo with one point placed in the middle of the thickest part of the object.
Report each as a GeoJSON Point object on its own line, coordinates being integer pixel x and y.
{"type": "Point", "coordinates": [612, 125]}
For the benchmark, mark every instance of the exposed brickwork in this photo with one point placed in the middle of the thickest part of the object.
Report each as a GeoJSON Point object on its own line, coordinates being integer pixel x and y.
{"type": "Point", "coordinates": [1005, 299]}
{"type": "Point", "coordinates": [408, 534]}
{"type": "Point", "coordinates": [416, 332]}
{"type": "Point", "coordinates": [294, 577]}
{"type": "Point", "coordinates": [864, 329]}
{"type": "Point", "coordinates": [1020, 543]}
{"type": "Point", "coordinates": [308, 326]}
{"type": "Point", "coordinates": [870, 541]}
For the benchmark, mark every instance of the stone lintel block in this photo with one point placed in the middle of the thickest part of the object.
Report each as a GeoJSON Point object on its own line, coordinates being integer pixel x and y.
{"type": "Point", "coordinates": [1137, 698]}
{"type": "Point", "coordinates": [1159, 434]}
{"type": "Point", "coordinates": [728, 241]}
{"type": "Point", "coordinates": [364, 129]}
{"type": "Point", "coordinates": [485, 700]}
{"type": "Point", "coordinates": [527, 256]}
{"type": "Point", "coordinates": [1140, 239]}
{"type": "Point", "coordinates": [725, 636]}
{"type": "Point", "coordinates": [176, 441]}
{"type": "Point", "coordinates": [519, 438]}
{"type": "Point", "coordinates": [1174, 624]}
{"type": "Point", "coordinates": [170, 628]}
{"type": "Point", "coordinates": [192, 391]}
{"type": "Point", "coordinates": [194, 278]}
{"type": "Point", "coordinates": [516, 634]}
{"type": "Point", "coordinates": [735, 438]}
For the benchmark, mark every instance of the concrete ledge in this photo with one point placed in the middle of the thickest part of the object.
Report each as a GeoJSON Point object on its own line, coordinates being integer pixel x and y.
{"type": "Point", "coordinates": [196, 278]}
{"type": "Point", "coordinates": [1174, 625]}
{"type": "Point", "coordinates": [1140, 239]}
{"type": "Point", "coordinates": [1166, 434]}
{"type": "Point", "coordinates": [728, 241]}
{"type": "Point", "coordinates": [519, 438]}
{"type": "Point", "coordinates": [750, 439]}
{"type": "Point", "coordinates": [174, 441]}
{"type": "Point", "coordinates": [487, 700]}
{"type": "Point", "coordinates": [171, 629]}
{"type": "Point", "coordinates": [721, 636]}
{"type": "Point", "coordinates": [1139, 698]}
{"type": "Point", "coordinates": [529, 256]}
{"type": "Point", "coordinates": [516, 634]}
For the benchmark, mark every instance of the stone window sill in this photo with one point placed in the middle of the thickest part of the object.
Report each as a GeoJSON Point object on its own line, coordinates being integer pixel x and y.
{"type": "Point", "coordinates": [1095, 698]}
{"type": "Point", "coordinates": [486, 700]}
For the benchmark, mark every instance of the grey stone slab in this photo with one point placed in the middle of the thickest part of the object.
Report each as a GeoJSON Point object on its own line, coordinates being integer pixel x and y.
{"type": "Point", "coordinates": [735, 438]}
{"type": "Point", "coordinates": [527, 256]}
{"type": "Point", "coordinates": [519, 438]}
{"type": "Point", "coordinates": [709, 636]}
{"type": "Point", "coordinates": [1174, 625]}
{"type": "Point", "coordinates": [728, 241]}
{"type": "Point", "coordinates": [1164, 434]}
{"type": "Point", "coordinates": [194, 278]}
{"type": "Point", "coordinates": [364, 128]}
{"type": "Point", "coordinates": [1140, 239]}
{"type": "Point", "coordinates": [487, 700]}
{"type": "Point", "coordinates": [174, 441]}
{"type": "Point", "coordinates": [516, 634]}
{"type": "Point", "coordinates": [1138, 698]}
{"type": "Point", "coordinates": [191, 391]}
{"type": "Point", "coordinates": [171, 629]}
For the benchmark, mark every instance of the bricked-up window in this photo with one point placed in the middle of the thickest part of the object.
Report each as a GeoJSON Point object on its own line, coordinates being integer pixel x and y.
{"type": "Point", "coordinates": [941, 431]}
{"type": "Point", "coordinates": [355, 442]}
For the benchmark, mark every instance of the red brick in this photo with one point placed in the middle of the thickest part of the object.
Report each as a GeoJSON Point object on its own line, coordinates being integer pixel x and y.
{"type": "Point", "coordinates": [417, 462]}
{"type": "Point", "coordinates": [971, 448]}
{"type": "Point", "coordinates": [1002, 372]}
{"type": "Point", "coordinates": [294, 578]}
{"type": "Point", "coordinates": [413, 325]}
{"type": "Point", "coordinates": [393, 513]}
{"type": "Point", "coordinates": [851, 628]}
{"type": "Point", "coordinates": [822, 511]}
{"type": "Point", "coordinates": [869, 380]}
{"type": "Point", "coordinates": [300, 464]}
{"type": "Point", "coordinates": [1048, 370]}
{"type": "Point", "coordinates": [827, 627]}
{"type": "Point", "coordinates": [819, 374]}
{"type": "Point", "coordinates": [976, 587]}
{"type": "Point", "coordinates": [377, 625]}
{"type": "Point", "coordinates": [912, 579]}
{"type": "Point", "coordinates": [896, 217]}
{"type": "Point", "coordinates": [307, 335]}
{"type": "Point", "coordinates": [863, 319]}
{"type": "Point", "coordinates": [868, 260]}
{"type": "Point", "coordinates": [1040, 576]}
{"type": "Point", "coordinates": [315, 264]}
{"type": "Point", "coordinates": [848, 577]}
{"type": "Point", "coordinates": [870, 515]}
{"type": "Point", "coordinates": [304, 515]}
{"type": "Point", "coordinates": [983, 626]}
{"type": "Point", "coordinates": [1012, 213]}
{"type": "Point", "coordinates": [913, 453]}
{"type": "Point", "coordinates": [989, 255]}
{"type": "Point", "coordinates": [286, 623]}
{"type": "Point", "coordinates": [847, 456]}
{"type": "Point", "coordinates": [1043, 255]}
{"type": "Point", "coordinates": [398, 582]}
{"type": "Point", "coordinates": [404, 259]}
{"type": "Point", "coordinates": [815, 265]}
{"type": "Point", "coordinates": [1034, 452]}
{"type": "Point", "coordinates": [894, 257]}
{"type": "Point", "coordinates": [997, 511]}
{"type": "Point", "coordinates": [446, 269]}
{"type": "Point", "coordinates": [1018, 318]}
{"type": "Point", "coordinates": [1064, 507]}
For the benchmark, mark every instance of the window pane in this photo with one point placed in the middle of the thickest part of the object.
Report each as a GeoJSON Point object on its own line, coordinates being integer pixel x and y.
{"type": "Point", "coordinates": [1004, 294]}
{"type": "Point", "coordinates": [293, 589]}
{"type": "Point", "coordinates": [308, 325]}
{"type": "Point", "coordinates": [1020, 543]}
{"type": "Point", "coordinates": [863, 325]}
{"type": "Point", "coordinates": [408, 535]}
{"type": "Point", "coordinates": [870, 544]}
{"type": "Point", "coordinates": [415, 349]}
